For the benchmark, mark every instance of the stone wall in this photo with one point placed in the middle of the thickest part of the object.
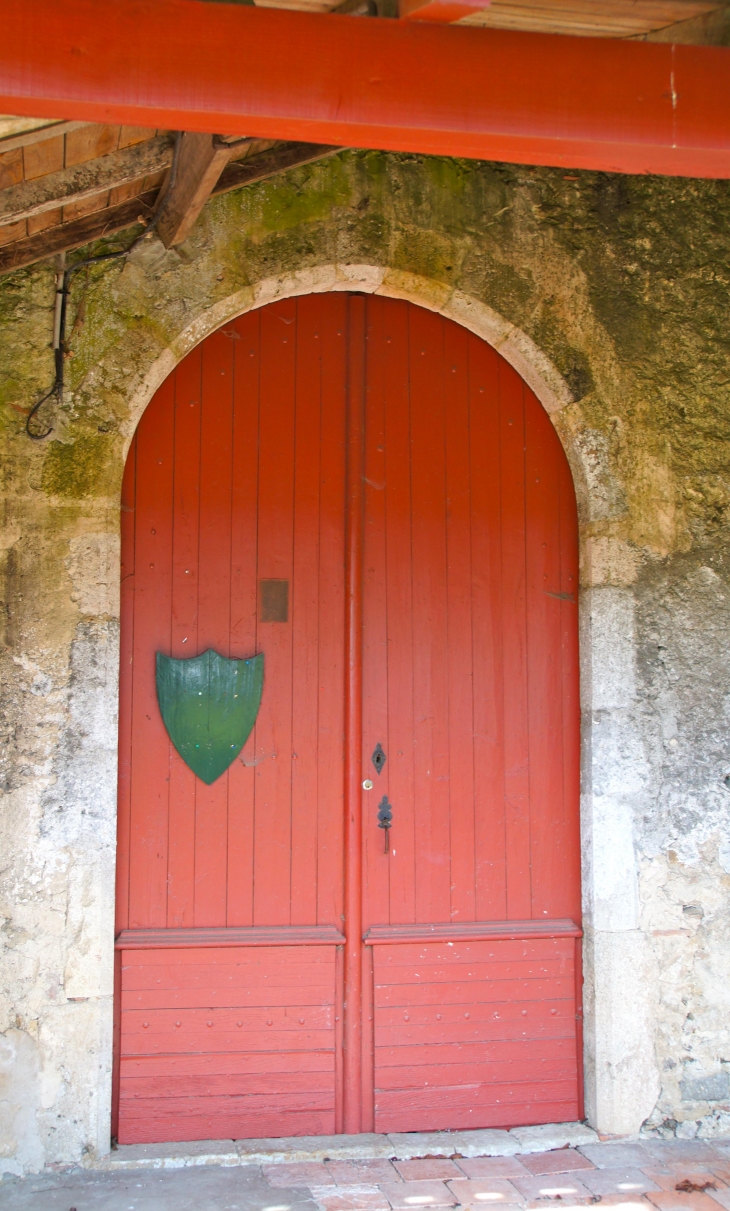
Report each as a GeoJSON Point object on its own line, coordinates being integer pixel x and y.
{"type": "Point", "coordinates": [610, 295]}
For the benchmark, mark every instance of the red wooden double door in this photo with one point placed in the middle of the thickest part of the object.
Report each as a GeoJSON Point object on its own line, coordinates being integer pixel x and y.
{"type": "Point", "coordinates": [370, 496]}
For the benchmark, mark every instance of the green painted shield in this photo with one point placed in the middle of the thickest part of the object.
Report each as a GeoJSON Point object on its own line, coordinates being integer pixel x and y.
{"type": "Point", "coordinates": [209, 705]}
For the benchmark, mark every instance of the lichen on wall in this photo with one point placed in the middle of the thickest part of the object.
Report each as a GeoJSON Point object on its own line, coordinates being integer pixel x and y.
{"type": "Point", "coordinates": [623, 284]}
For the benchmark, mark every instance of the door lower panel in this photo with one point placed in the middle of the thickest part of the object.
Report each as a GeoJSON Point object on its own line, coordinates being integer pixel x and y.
{"type": "Point", "coordinates": [228, 1041]}
{"type": "Point", "coordinates": [475, 1031]}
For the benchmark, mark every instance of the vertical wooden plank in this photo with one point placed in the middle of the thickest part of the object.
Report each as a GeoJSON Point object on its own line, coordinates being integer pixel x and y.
{"type": "Point", "coordinates": [516, 746]}
{"type": "Point", "coordinates": [331, 671]}
{"type": "Point", "coordinates": [376, 863]}
{"type": "Point", "coordinates": [214, 621]}
{"type": "Point", "coordinates": [272, 869]}
{"type": "Point", "coordinates": [488, 656]}
{"type": "Point", "coordinates": [339, 1037]}
{"type": "Point", "coordinates": [184, 628]}
{"type": "Point", "coordinates": [368, 1041]}
{"type": "Point", "coordinates": [400, 637]}
{"type": "Point", "coordinates": [244, 524]}
{"type": "Point", "coordinates": [126, 671]}
{"type": "Point", "coordinates": [116, 1042]}
{"type": "Point", "coordinates": [543, 457]}
{"type": "Point", "coordinates": [460, 656]}
{"type": "Point", "coordinates": [305, 610]}
{"type": "Point", "coordinates": [430, 682]}
{"type": "Point", "coordinates": [352, 1118]}
{"type": "Point", "coordinates": [152, 609]}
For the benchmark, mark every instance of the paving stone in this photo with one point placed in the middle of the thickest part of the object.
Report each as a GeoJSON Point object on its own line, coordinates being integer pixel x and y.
{"type": "Point", "coordinates": [422, 1170]}
{"type": "Point", "coordinates": [354, 1173]}
{"type": "Point", "coordinates": [563, 1185]}
{"type": "Point", "coordinates": [405, 1196]}
{"type": "Point", "coordinates": [172, 1156]}
{"type": "Point", "coordinates": [300, 1173]}
{"type": "Point", "coordinates": [618, 1181]}
{"type": "Point", "coordinates": [491, 1166]}
{"type": "Point", "coordinates": [674, 1151]}
{"type": "Point", "coordinates": [553, 1135]}
{"type": "Point", "coordinates": [565, 1160]}
{"type": "Point", "coordinates": [351, 1198]}
{"type": "Point", "coordinates": [489, 1192]}
{"type": "Point", "coordinates": [720, 1168]}
{"type": "Point", "coordinates": [485, 1142]}
{"type": "Point", "coordinates": [413, 1144]}
{"type": "Point", "coordinates": [722, 1197]}
{"type": "Point", "coordinates": [188, 1188]}
{"type": "Point", "coordinates": [617, 1155]}
{"type": "Point", "coordinates": [673, 1200]}
{"type": "Point", "coordinates": [625, 1202]}
{"type": "Point", "coordinates": [314, 1148]}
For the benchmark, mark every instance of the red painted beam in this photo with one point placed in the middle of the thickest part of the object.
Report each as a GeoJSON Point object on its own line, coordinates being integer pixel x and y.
{"type": "Point", "coordinates": [401, 86]}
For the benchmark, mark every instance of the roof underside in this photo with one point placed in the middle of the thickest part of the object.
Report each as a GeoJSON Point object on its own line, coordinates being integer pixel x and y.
{"type": "Point", "coordinates": [64, 184]}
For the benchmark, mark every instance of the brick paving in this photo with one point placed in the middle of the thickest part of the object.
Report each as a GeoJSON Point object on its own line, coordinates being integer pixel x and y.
{"type": "Point", "coordinates": [636, 1175]}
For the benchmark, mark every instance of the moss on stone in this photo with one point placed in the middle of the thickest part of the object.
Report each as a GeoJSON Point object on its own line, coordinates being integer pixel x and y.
{"type": "Point", "coordinates": [77, 470]}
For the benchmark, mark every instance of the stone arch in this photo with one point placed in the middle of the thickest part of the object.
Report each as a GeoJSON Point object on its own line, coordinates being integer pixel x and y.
{"type": "Point", "coordinates": [514, 345]}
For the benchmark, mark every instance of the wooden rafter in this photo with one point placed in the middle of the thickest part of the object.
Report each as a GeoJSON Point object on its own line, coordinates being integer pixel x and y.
{"type": "Point", "coordinates": [102, 223]}
{"type": "Point", "coordinates": [201, 161]}
{"type": "Point", "coordinates": [77, 234]}
{"type": "Point", "coordinates": [82, 181]}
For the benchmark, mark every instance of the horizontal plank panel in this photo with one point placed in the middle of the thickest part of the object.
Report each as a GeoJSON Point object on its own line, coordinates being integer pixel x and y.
{"type": "Point", "coordinates": [466, 1032]}
{"type": "Point", "coordinates": [462, 993]}
{"type": "Point", "coordinates": [522, 1015]}
{"type": "Point", "coordinates": [184, 1107]}
{"type": "Point", "coordinates": [155, 1124]}
{"type": "Point", "coordinates": [396, 935]}
{"type": "Point", "coordinates": [289, 935]}
{"type": "Point", "coordinates": [234, 1063]}
{"type": "Point", "coordinates": [237, 1032]}
{"type": "Point", "coordinates": [517, 969]}
{"type": "Point", "coordinates": [217, 1040]}
{"type": "Point", "coordinates": [162, 1021]}
{"type": "Point", "coordinates": [217, 1085]}
{"type": "Point", "coordinates": [516, 1072]}
{"type": "Point", "coordinates": [266, 958]}
{"type": "Point", "coordinates": [440, 1055]}
{"type": "Point", "coordinates": [473, 1095]}
{"type": "Point", "coordinates": [447, 1117]}
{"type": "Point", "coordinates": [223, 998]}
{"type": "Point", "coordinates": [386, 958]}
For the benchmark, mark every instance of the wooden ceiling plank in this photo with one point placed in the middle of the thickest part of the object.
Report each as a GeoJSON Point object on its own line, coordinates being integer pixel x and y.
{"type": "Point", "coordinates": [85, 180]}
{"type": "Point", "coordinates": [51, 131]}
{"type": "Point", "coordinates": [77, 234]}
{"type": "Point", "coordinates": [601, 18]}
{"type": "Point", "coordinates": [201, 161]}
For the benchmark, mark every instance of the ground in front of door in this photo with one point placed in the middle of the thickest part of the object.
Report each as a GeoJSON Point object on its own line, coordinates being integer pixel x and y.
{"type": "Point", "coordinates": [393, 1173]}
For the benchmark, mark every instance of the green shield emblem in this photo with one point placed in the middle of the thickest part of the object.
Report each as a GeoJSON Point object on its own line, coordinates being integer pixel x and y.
{"type": "Point", "coordinates": [209, 705]}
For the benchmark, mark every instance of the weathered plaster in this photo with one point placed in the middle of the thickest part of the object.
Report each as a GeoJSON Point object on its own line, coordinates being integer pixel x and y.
{"type": "Point", "coordinates": [609, 295]}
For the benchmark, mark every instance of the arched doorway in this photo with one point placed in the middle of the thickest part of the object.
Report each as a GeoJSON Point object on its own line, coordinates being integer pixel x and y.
{"type": "Point", "coordinates": [371, 497]}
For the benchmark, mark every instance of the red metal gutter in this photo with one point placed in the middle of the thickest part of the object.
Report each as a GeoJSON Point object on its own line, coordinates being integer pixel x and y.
{"type": "Point", "coordinates": [598, 103]}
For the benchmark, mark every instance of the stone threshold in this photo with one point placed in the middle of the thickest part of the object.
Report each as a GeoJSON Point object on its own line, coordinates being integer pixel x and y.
{"type": "Point", "coordinates": [396, 1146]}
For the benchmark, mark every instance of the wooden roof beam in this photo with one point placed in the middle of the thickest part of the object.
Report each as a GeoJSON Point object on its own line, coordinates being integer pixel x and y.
{"type": "Point", "coordinates": [86, 180]}
{"type": "Point", "coordinates": [201, 161]}
{"type": "Point", "coordinates": [597, 103]}
{"type": "Point", "coordinates": [102, 223]}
